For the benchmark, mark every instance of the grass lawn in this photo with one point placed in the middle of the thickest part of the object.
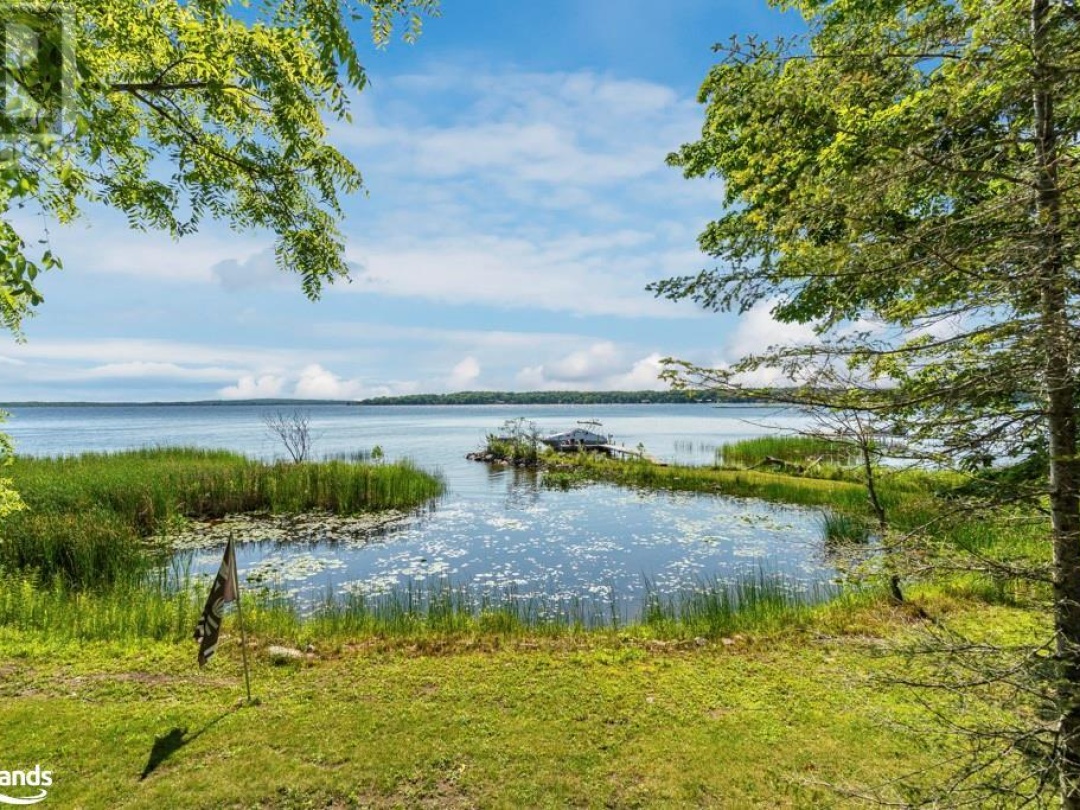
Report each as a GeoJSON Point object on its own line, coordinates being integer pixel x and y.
{"type": "Point", "coordinates": [594, 721]}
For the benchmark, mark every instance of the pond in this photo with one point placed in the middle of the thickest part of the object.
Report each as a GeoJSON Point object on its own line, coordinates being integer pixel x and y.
{"type": "Point", "coordinates": [497, 531]}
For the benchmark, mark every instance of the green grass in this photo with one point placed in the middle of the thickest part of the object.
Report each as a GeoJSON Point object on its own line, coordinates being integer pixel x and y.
{"type": "Point", "coordinates": [786, 720]}
{"type": "Point", "coordinates": [840, 527]}
{"type": "Point", "coordinates": [515, 451]}
{"type": "Point", "coordinates": [564, 479]}
{"type": "Point", "coordinates": [793, 449]}
{"type": "Point", "coordinates": [160, 608]}
{"type": "Point", "coordinates": [517, 442]}
{"type": "Point", "coordinates": [757, 604]}
{"type": "Point", "coordinates": [88, 516]}
{"type": "Point", "coordinates": [769, 486]}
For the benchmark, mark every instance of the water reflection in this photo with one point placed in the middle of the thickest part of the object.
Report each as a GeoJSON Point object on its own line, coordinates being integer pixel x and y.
{"type": "Point", "coordinates": [598, 542]}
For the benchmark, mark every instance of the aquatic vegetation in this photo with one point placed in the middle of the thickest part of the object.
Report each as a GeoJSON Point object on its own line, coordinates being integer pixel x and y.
{"type": "Point", "coordinates": [90, 517]}
{"type": "Point", "coordinates": [277, 570]}
{"type": "Point", "coordinates": [841, 527]}
{"type": "Point", "coordinates": [126, 610]}
{"type": "Point", "coordinates": [165, 607]}
{"type": "Point", "coordinates": [95, 546]}
{"type": "Point", "coordinates": [800, 450]}
{"type": "Point", "coordinates": [719, 608]}
{"type": "Point", "coordinates": [564, 479]}
{"type": "Point", "coordinates": [325, 527]}
{"type": "Point", "coordinates": [768, 486]}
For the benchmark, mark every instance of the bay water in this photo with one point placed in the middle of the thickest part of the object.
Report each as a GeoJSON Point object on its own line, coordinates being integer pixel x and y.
{"type": "Point", "coordinates": [497, 530]}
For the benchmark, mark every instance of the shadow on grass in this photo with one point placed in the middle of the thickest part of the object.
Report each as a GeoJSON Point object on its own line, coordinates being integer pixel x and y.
{"type": "Point", "coordinates": [172, 741]}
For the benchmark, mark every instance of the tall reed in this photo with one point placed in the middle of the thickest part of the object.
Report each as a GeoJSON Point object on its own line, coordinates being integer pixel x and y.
{"type": "Point", "coordinates": [844, 528]}
{"type": "Point", "coordinates": [90, 515]}
{"type": "Point", "coordinates": [165, 608]}
{"type": "Point", "coordinates": [717, 608]}
{"type": "Point", "coordinates": [743, 483]}
{"type": "Point", "coordinates": [793, 449]}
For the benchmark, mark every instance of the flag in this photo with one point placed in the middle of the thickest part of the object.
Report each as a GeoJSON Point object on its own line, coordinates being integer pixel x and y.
{"type": "Point", "coordinates": [223, 590]}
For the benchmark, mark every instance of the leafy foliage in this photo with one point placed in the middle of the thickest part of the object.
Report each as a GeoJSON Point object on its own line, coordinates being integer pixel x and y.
{"type": "Point", "coordinates": [179, 112]}
{"type": "Point", "coordinates": [10, 501]}
{"type": "Point", "coordinates": [905, 180]}
{"type": "Point", "coordinates": [517, 442]}
{"type": "Point", "coordinates": [880, 185]}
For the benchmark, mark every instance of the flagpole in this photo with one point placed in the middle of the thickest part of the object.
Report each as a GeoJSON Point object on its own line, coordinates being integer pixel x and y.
{"type": "Point", "coordinates": [240, 617]}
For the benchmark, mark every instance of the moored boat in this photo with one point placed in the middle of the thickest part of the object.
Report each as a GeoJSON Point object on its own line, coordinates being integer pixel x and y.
{"type": "Point", "coordinates": [586, 436]}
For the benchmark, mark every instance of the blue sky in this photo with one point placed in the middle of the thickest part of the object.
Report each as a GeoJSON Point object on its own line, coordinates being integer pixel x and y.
{"type": "Point", "coordinates": [518, 203]}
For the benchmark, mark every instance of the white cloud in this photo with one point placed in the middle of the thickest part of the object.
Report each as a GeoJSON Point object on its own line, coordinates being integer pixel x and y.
{"type": "Point", "coordinates": [102, 242]}
{"type": "Point", "coordinates": [584, 365]}
{"type": "Point", "coordinates": [582, 128]}
{"type": "Point", "coordinates": [757, 330]}
{"type": "Point", "coordinates": [464, 374]}
{"type": "Point", "coordinates": [494, 340]}
{"type": "Point", "coordinates": [643, 375]}
{"type": "Point", "coordinates": [317, 382]}
{"type": "Point", "coordinates": [600, 367]}
{"type": "Point", "coordinates": [526, 190]}
{"type": "Point", "coordinates": [313, 381]}
{"type": "Point", "coordinates": [250, 387]}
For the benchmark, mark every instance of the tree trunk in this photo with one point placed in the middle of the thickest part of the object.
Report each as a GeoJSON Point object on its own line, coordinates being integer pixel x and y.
{"type": "Point", "coordinates": [1060, 411]}
{"type": "Point", "coordinates": [864, 437]}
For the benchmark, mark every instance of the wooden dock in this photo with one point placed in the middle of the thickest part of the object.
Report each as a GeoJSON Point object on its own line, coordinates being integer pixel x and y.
{"type": "Point", "coordinates": [616, 450]}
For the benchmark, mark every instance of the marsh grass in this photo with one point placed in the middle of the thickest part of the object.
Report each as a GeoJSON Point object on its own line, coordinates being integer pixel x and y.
{"type": "Point", "coordinates": [354, 456]}
{"type": "Point", "coordinates": [842, 527]}
{"type": "Point", "coordinates": [564, 479]}
{"type": "Point", "coordinates": [165, 607]}
{"type": "Point", "coordinates": [793, 449]}
{"type": "Point", "coordinates": [95, 546]}
{"type": "Point", "coordinates": [91, 517]}
{"type": "Point", "coordinates": [909, 496]}
{"type": "Point", "coordinates": [758, 603]}
{"type": "Point", "coordinates": [740, 483]}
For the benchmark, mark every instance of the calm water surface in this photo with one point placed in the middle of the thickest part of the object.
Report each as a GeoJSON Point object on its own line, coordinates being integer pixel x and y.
{"type": "Point", "coordinates": [496, 529]}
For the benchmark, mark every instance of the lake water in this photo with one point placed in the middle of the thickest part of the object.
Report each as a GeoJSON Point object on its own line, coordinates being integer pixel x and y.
{"type": "Point", "coordinates": [496, 529]}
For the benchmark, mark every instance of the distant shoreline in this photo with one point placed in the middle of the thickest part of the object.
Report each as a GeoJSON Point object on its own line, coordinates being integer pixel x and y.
{"type": "Point", "coordinates": [458, 398]}
{"type": "Point", "coordinates": [557, 398]}
{"type": "Point", "coordinates": [281, 403]}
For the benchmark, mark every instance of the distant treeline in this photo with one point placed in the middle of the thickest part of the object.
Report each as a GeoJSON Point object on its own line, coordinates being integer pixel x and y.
{"type": "Point", "coordinates": [290, 403]}
{"type": "Point", "coordinates": [552, 398]}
